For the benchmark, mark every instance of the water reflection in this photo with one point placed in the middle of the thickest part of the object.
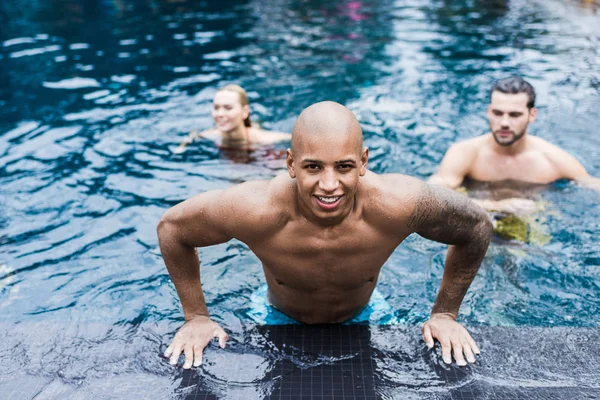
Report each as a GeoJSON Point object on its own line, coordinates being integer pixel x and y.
{"type": "Point", "coordinates": [86, 137]}
{"type": "Point", "coordinates": [93, 94]}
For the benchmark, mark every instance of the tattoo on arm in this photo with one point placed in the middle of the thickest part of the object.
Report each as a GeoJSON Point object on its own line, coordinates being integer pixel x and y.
{"type": "Point", "coordinates": [447, 217]}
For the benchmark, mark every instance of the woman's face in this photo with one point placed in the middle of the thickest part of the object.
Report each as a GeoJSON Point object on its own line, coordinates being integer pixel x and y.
{"type": "Point", "coordinates": [228, 112]}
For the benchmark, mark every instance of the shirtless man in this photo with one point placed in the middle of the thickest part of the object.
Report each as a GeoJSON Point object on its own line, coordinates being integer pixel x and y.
{"type": "Point", "coordinates": [508, 152]}
{"type": "Point", "coordinates": [322, 234]}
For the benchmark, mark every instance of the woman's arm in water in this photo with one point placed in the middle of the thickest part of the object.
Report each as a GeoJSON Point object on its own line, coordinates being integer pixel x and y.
{"type": "Point", "coordinates": [269, 137]}
{"type": "Point", "coordinates": [190, 138]}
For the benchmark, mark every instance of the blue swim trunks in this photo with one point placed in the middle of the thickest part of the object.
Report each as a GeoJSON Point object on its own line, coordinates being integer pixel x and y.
{"type": "Point", "coordinates": [376, 312]}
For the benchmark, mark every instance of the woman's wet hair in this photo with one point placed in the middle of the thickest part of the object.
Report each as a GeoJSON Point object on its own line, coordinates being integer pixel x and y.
{"type": "Point", "coordinates": [243, 99]}
{"type": "Point", "coordinates": [515, 85]}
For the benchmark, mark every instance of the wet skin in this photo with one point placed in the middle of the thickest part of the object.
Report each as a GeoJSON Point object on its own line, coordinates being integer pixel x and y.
{"type": "Point", "coordinates": [508, 152]}
{"type": "Point", "coordinates": [327, 274]}
{"type": "Point", "coordinates": [322, 233]}
{"type": "Point", "coordinates": [230, 133]}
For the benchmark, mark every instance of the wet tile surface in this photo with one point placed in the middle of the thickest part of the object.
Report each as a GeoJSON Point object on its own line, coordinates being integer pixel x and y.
{"type": "Point", "coordinates": [331, 362]}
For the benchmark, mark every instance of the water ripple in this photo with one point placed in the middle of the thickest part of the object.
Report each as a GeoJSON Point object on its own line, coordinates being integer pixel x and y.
{"type": "Point", "coordinates": [93, 102]}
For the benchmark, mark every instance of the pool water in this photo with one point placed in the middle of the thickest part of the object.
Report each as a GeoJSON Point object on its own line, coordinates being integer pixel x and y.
{"type": "Point", "coordinates": [95, 95]}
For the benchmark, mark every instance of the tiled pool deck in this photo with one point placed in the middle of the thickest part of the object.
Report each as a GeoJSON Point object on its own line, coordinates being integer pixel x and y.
{"type": "Point", "coordinates": [299, 362]}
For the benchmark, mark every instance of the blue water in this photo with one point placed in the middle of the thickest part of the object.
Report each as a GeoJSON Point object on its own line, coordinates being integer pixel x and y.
{"type": "Point", "coordinates": [94, 96]}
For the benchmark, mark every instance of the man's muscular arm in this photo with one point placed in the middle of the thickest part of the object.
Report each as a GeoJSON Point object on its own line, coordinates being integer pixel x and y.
{"type": "Point", "coordinates": [197, 222]}
{"type": "Point", "coordinates": [448, 217]}
{"type": "Point", "coordinates": [570, 168]}
{"type": "Point", "coordinates": [210, 218]}
{"type": "Point", "coordinates": [454, 167]}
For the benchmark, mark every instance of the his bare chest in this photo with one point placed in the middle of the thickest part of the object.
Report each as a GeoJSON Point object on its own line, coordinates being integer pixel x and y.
{"type": "Point", "coordinates": [528, 168]}
{"type": "Point", "coordinates": [348, 239]}
{"type": "Point", "coordinates": [317, 256]}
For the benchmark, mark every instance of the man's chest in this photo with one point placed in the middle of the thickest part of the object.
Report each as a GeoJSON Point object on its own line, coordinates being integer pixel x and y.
{"type": "Point", "coordinates": [299, 242]}
{"type": "Point", "coordinates": [304, 254]}
{"type": "Point", "coordinates": [528, 168]}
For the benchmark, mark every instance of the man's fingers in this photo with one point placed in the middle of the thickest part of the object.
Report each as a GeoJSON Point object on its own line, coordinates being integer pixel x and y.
{"type": "Point", "coordinates": [446, 352]}
{"type": "Point", "coordinates": [427, 337]}
{"type": "Point", "coordinates": [193, 342]}
{"type": "Point", "coordinates": [169, 350]}
{"type": "Point", "coordinates": [189, 356]}
{"type": "Point", "coordinates": [457, 349]}
{"type": "Point", "coordinates": [197, 355]}
{"type": "Point", "coordinates": [175, 354]}
{"type": "Point", "coordinates": [473, 345]}
{"type": "Point", "coordinates": [468, 352]}
{"type": "Point", "coordinates": [222, 335]}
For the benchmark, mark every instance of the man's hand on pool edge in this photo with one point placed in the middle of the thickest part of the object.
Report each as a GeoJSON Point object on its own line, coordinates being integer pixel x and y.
{"type": "Point", "coordinates": [453, 338]}
{"type": "Point", "coordinates": [192, 338]}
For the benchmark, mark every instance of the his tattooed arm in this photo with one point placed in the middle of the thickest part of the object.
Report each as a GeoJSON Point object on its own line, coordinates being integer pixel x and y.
{"type": "Point", "coordinates": [448, 217]}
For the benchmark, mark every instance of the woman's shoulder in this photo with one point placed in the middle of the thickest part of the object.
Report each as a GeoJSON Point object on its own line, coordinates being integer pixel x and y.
{"type": "Point", "coordinates": [212, 134]}
{"type": "Point", "coordinates": [262, 136]}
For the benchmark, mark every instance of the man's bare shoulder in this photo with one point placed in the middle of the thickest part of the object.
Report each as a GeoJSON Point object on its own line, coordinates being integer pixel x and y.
{"type": "Point", "coordinates": [551, 152]}
{"type": "Point", "coordinates": [464, 151]}
{"type": "Point", "coordinates": [401, 205]}
{"type": "Point", "coordinates": [259, 197]}
{"type": "Point", "coordinates": [256, 204]}
{"type": "Point", "coordinates": [390, 195]}
{"type": "Point", "coordinates": [472, 144]}
{"type": "Point", "coordinates": [565, 163]}
{"type": "Point", "coordinates": [536, 143]}
{"type": "Point", "coordinates": [400, 184]}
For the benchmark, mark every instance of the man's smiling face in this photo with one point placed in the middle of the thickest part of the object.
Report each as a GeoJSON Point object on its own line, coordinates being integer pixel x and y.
{"type": "Point", "coordinates": [327, 160]}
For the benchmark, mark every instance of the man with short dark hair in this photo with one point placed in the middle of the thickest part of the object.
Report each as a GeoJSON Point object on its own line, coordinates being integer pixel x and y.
{"type": "Point", "coordinates": [515, 85]}
{"type": "Point", "coordinates": [322, 232]}
{"type": "Point", "coordinates": [508, 152]}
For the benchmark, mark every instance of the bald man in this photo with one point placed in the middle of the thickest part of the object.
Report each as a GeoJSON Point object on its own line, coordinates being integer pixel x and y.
{"type": "Point", "coordinates": [322, 232]}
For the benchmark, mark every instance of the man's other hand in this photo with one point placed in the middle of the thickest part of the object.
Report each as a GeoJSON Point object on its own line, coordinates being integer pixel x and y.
{"type": "Point", "coordinates": [515, 206]}
{"type": "Point", "coordinates": [453, 337]}
{"type": "Point", "coordinates": [192, 338]}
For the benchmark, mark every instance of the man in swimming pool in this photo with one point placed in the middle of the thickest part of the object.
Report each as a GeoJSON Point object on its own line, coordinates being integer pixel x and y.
{"type": "Point", "coordinates": [322, 234]}
{"type": "Point", "coordinates": [508, 152]}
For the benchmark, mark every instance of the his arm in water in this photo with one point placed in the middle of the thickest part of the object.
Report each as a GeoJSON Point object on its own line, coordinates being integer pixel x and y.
{"type": "Point", "coordinates": [454, 167]}
{"type": "Point", "coordinates": [448, 217]}
{"type": "Point", "coordinates": [571, 168]}
{"type": "Point", "coordinates": [210, 218]}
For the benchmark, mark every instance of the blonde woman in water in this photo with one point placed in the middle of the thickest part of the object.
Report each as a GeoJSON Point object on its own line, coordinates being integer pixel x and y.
{"type": "Point", "coordinates": [233, 128]}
